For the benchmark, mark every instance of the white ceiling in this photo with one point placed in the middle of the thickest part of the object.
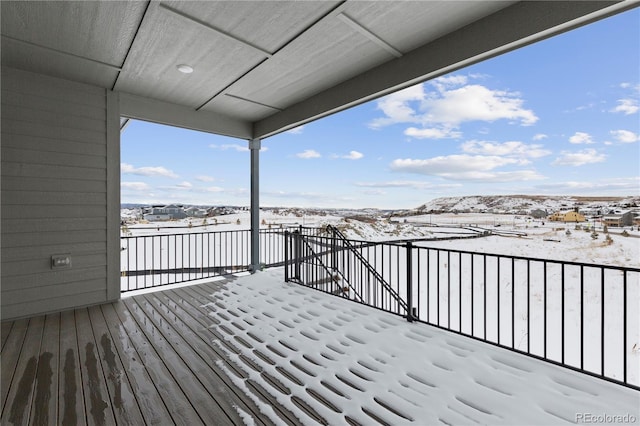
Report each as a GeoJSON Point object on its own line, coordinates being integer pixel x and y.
{"type": "Point", "coordinates": [261, 67]}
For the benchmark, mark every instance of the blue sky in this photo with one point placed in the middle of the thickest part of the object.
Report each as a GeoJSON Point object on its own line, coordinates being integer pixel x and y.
{"type": "Point", "coordinates": [559, 117]}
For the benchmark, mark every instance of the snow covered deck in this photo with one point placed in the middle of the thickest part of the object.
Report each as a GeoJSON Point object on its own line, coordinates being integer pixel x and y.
{"type": "Point", "coordinates": [259, 351]}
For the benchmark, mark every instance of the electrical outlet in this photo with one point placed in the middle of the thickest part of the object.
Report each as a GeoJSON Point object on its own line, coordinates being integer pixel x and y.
{"type": "Point", "coordinates": [60, 261]}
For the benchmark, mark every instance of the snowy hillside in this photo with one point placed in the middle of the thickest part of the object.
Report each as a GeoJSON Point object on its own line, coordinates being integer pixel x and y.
{"type": "Point", "coordinates": [521, 204]}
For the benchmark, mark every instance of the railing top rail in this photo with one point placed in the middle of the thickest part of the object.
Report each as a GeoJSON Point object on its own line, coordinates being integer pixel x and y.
{"type": "Point", "coordinates": [534, 259]}
{"type": "Point", "coordinates": [402, 243]}
{"type": "Point", "coordinates": [221, 231]}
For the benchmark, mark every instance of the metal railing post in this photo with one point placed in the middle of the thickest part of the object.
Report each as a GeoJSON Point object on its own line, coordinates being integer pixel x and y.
{"type": "Point", "coordinates": [334, 250]}
{"type": "Point", "coordinates": [286, 256]}
{"type": "Point", "coordinates": [297, 250]}
{"type": "Point", "coordinates": [409, 283]}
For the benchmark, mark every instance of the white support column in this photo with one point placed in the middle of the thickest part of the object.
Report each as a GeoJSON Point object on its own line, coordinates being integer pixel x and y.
{"type": "Point", "coordinates": [254, 148]}
{"type": "Point", "coordinates": [113, 195]}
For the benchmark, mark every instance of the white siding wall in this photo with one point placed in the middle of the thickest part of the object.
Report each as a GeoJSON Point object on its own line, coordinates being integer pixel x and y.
{"type": "Point", "coordinates": [59, 175]}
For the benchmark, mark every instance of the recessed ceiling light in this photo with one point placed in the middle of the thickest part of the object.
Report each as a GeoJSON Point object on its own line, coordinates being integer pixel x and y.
{"type": "Point", "coordinates": [184, 68]}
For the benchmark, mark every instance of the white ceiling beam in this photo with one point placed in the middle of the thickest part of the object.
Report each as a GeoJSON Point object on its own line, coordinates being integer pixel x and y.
{"type": "Point", "coordinates": [63, 53]}
{"type": "Point", "coordinates": [510, 28]}
{"type": "Point", "coordinates": [146, 109]}
{"type": "Point", "coordinates": [146, 13]}
{"type": "Point", "coordinates": [252, 102]}
{"type": "Point", "coordinates": [329, 15]}
{"type": "Point", "coordinates": [368, 34]}
{"type": "Point", "coordinates": [218, 31]}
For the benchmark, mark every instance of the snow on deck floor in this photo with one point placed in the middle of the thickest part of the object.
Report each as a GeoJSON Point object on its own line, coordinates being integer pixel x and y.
{"type": "Point", "coordinates": [352, 362]}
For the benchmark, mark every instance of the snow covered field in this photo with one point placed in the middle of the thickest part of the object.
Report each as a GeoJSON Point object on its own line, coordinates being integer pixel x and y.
{"type": "Point", "coordinates": [548, 240]}
{"type": "Point", "coordinates": [446, 280]}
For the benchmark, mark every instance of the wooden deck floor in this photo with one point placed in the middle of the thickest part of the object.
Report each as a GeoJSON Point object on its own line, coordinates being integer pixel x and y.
{"type": "Point", "coordinates": [148, 359]}
{"type": "Point", "coordinates": [259, 351]}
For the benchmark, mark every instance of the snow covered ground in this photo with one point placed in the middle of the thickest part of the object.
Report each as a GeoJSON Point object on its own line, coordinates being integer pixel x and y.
{"type": "Point", "coordinates": [352, 362]}
{"type": "Point", "coordinates": [515, 236]}
{"type": "Point", "coordinates": [543, 239]}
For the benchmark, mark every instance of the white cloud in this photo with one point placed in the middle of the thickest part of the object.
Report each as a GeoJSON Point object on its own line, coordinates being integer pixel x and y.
{"type": "Point", "coordinates": [147, 171]}
{"type": "Point", "coordinates": [183, 186]}
{"type": "Point", "coordinates": [230, 146]}
{"type": "Point", "coordinates": [633, 87]}
{"type": "Point", "coordinates": [625, 136]}
{"type": "Point", "coordinates": [476, 103]}
{"type": "Point", "coordinates": [510, 176]}
{"type": "Point", "coordinates": [581, 138]}
{"type": "Point", "coordinates": [539, 136]}
{"type": "Point", "coordinates": [213, 189]}
{"type": "Point", "coordinates": [590, 105]}
{"type": "Point", "coordinates": [432, 133]}
{"type": "Point", "coordinates": [440, 112]}
{"type": "Point", "coordinates": [415, 184]}
{"type": "Point", "coordinates": [579, 158]}
{"type": "Point", "coordinates": [296, 130]}
{"type": "Point", "coordinates": [465, 167]}
{"type": "Point", "coordinates": [606, 186]}
{"type": "Point", "coordinates": [353, 155]}
{"type": "Point", "coordinates": [511, 148]}
{"type": "Point", "coordinates": [627, 106]}
{"type": "Point", "coordinates": [302, 195]}
{"type": "Point", "coordinates": [396, 107]}
{"type": "Point", "coordinates": [204, 178]}
{"type": "Point", "coordinates": [376, 192]}
{"type": "Point", "coordinates": [135, 186]}
{"type": "Point", "coordinates": [234, 147]}
{"type": "Point", "coordinates": [309, 153]}
{"type": "Point", "coordinates": [445, 82]}
{"type": "Point", "coordinates": [450, 164]}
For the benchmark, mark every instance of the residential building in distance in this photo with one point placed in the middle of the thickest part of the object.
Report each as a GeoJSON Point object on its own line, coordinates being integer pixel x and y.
{"type": "Point", "coordinates": [567, 216]}
{"type": "Point", "coordinates": [195, 212]}
{"type": "Point", "coordinates": [538, 214]}
{"type": "Point", "coordinates": [618, 220]}
{"type": "Point", "coordinates": [170, 212]}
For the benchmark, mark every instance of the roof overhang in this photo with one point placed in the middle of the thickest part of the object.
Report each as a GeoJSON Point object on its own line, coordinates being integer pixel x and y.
{"type": "Point", "coordinates": [261, 68]}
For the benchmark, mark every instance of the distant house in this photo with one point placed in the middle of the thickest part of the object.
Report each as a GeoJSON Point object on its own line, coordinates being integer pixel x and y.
{"type": "Point", "coordinates": [195, 212]}
{"type": "Point", "coordinates": [618, 220]}
{"type": "Point", "coordinates": [169, 212]}
{"type": "Point", "coordinates": [567, 216]}
{"type": "Point", "coordinates": [591, 211]}
{"type": "Point", "coordinates": [538, 214]}
{"type": "Point", "coordinates": [219, 211]}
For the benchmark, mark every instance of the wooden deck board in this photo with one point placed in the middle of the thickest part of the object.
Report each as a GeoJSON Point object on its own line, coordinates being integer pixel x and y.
{"type": "Point", "coordinates": [17, 408]}
{"type": "Point", "coordinates": [148, 359]}
{"type": "Point", "coordinates": [15, 340]}
{"type": "Point", "coordinates": [125, 407]}
{"type": "Point", "coordinates": [96, 395]}
{"type": "Point", "coordinates": [204, 358]}
{"type": "Point", "coordinates": [194, 301]}
{"type": "Point", "coordinates": [186, 366]}
{"type": "Point", "coordinates": [6, 329]}
{"type": "Point", "coordinates": [71, 408]}
{"type": "Point", "coordinates": [45, 409]}
{"type": "Point", "coordinates": [205, 293]}
{"type": "Point", "coordinates": [198, 296]}
{"type": "Point", "coordinates": [150, 402]}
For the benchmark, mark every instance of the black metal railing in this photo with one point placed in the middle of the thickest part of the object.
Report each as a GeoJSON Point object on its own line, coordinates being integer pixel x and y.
{"type": "Point", "coordinates": [331, 263]}
{"type": "Point", "coordinates": [578, 315]}
{"type": "Point", "coordinates": [156, 260]}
